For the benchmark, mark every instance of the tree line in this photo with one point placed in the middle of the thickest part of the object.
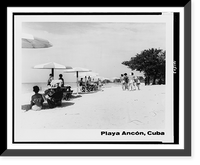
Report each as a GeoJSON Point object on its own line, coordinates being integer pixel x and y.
{"type": "Point", "coordinates": [152, 63]}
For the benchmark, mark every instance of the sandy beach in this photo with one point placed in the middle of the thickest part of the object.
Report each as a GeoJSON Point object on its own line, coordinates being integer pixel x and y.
{"type": "Point", "coordinates": [111, 108]}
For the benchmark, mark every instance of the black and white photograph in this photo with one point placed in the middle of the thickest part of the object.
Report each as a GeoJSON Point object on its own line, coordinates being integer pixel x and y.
{"type": "Point", "coordinates": [96, 72]}
{"type": "Point", "coordinates": [111, 82]}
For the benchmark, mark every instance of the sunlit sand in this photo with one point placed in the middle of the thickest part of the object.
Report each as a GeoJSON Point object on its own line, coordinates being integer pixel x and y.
{"type": "Point", "coordinates": [111, 108]}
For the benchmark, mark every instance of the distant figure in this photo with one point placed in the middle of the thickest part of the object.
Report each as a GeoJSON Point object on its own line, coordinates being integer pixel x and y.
{"type": "Point", "coordinates": [122, 81]}
{"type": "Point", "coordinates": [36, 100]}
{"type": "Point", "coordinates": [131, 83]}
{"type": "Point", "coordinates": [81, 83]}
{"type": "Point", "coordinates": [89, 80]}
{"type": "Point", "coordinates": [126, 80]}
{"type": "Point", "coordinates": [50, 80]}
{"type": "Point", "coordinates": [138, 82]}
{"type": "Point", "coordinates": [85, 79]}
{"type": "Point", "coordinates": [62, 80]}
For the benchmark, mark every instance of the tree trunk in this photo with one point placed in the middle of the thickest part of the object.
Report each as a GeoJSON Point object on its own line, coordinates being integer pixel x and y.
{"type": "Point", "coordinates": [154, 80]}
{"type": "Point", "coordinates": [148, 80]}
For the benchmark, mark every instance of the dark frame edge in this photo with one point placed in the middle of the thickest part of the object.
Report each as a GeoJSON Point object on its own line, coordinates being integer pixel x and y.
{"type": "Point", "coordinates": [187, 133]}
{"type": "Point", "coordinates": [187, 78]}
{"type": "Point", "coordinates": [3, 121]}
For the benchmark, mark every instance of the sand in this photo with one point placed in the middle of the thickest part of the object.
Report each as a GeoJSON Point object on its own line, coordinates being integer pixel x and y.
{"type": "Point", "coordinates": [111, 108]}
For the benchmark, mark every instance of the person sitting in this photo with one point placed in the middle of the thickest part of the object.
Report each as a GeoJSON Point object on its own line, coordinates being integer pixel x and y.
{"type": "Point", "coordinates": [82, 85]}
{"type": "Point", "coordinates": [36, 100]}
{"type": "Point", "coordinates": [49, 80]}
{"type": "Point", "coordinates": [54, 96]}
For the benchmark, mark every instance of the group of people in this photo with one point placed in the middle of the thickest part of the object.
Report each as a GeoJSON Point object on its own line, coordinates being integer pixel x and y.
{"type": "Point", "coordinates": [37, 99]}
{"type": "Point", "coordinates": [130, 82]}
{"type": "Point", "coordinates": [89, 84]}
{"type": "Point", "coordinates": [53, 83]}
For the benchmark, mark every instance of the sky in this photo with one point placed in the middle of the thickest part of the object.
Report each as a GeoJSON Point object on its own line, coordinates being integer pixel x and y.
{"type": "Point", "coordinates": [99, 46]}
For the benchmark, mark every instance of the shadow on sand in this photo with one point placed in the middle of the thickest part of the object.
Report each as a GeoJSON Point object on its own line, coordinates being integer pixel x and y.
{"type": "Point", "coordinates": [74, 96]}
{"type": "Point", "coordinates": [91, 92]}
{"type": "Point", "coordinates": [46, 106]}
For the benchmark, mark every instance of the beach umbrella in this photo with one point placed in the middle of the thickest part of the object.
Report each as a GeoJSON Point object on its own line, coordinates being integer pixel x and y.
{"type": "Point", "coordinates": [29, 41]}
{"type": "Point", "coordinates": [52, 66]}
{"type": "Point", "coordinates": [77, 70]}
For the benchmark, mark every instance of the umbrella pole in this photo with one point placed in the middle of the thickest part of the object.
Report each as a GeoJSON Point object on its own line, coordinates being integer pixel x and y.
{"type": "Point", "coordinates": [52, 72]}
{"type": "Point", "coordinates": [77, 80]}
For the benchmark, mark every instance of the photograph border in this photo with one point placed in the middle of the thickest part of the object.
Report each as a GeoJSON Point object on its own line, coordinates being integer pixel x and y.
{"type": "Point", "coordinates": [175, 38]}
{"type": "Point", "coordinates": [125, 152]}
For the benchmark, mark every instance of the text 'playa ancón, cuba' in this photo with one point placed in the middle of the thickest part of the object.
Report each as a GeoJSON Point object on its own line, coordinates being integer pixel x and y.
{"type": "Point", "coordinates": [137, 133]}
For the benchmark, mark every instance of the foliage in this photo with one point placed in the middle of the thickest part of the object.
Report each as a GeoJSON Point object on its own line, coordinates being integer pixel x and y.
{"type": "Point", "coordinates": [151, 62]}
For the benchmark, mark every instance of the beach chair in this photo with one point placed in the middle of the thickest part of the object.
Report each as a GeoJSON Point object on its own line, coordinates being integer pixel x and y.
{"type": "Point", "coordinates": [83, 88]}
{"type": "Point", "coordinates": [91, 87]}
{"type": "Point", "coordinates": [67, 92]}
{"type": "Point", "coordinates": [55, 96]}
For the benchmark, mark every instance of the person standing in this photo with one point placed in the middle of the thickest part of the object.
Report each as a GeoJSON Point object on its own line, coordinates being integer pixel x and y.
{"type": "Point", "coordinates": [126, 80]}
{"type": "Point", "coordinates": [131, 84]}
{"type": "Point", "coordinates": [138, 82]}
{"type": "Point", "coordinates": [87, 84]}
{"type": "Point", "coordinates": [82, 85]}
{"type": "Point", "coordinates": [85, 80]}
{"type": "Point", "coordinates": [62, 80]}
{"type": "Point", "coordinates": [122, 82]}
{"type": "Point", "coordinates": [89, 79]}
{"type": "Point", "coordinates": [99, 84]}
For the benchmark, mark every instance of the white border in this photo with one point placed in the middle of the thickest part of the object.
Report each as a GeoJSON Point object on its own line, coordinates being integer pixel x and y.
{"type": "Point", "coordinates": [78, 146]}
{"type": "Point", "coordinates": [74, 135]}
